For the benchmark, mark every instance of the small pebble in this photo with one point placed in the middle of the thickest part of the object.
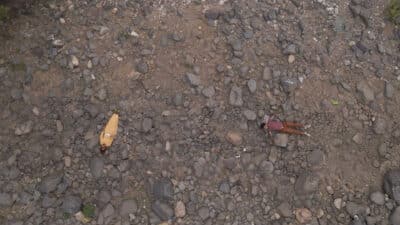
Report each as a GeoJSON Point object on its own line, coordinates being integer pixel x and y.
{"type": "Point", "coordinates": [291, 58]}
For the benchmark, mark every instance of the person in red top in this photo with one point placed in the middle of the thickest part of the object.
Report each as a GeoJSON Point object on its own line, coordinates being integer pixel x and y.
{"type": "Point", "coordinates": [272, 124]}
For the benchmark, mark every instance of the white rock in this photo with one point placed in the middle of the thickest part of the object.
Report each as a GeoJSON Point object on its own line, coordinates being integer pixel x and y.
{"type": "Point", "coordinates": [180, 210]}
{"type": "Point", "coordinates": [338, 203]}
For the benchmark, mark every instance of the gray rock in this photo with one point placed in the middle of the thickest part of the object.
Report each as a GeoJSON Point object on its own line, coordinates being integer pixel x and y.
{"type": "Point", "coordinates": [224, 187]}
{"type": "Point", "coordinates": [267, 167]}
{"type": "Point", "coordinates": [104, 197]}
{"type": "Point", "coordinates": [96, 167]}
{"type": "Point", "coordinates": [204, 213]}
{"type": "Point", "coordinates": [57, 43]}
{"type": "Point", "coordinates": [252, 85]}
{"type": "Point", "coordinates": [379, 126]}
{"type": "Point", "coordinates": [236, 44]}
{"type": "Point", "coordinates": [48, 201]}
{"type": "Point", "coordinates": [102, 94]}
{"type": "Point", "coordinates": [366, 91]}
{"type": "Point", "coordinates": [24, 128]}
{"type": "Point", "coordinates": [358, 220]}
{"type": "Point", "coordinates": [395, 216]}
{"type": "Point", "coordinates": [373, 220]}
{"type": "Point", "coordinates": [289, 84]}
{"type": "Point", "coordinates": [208, 92]}
{"type": "Point", "coordinates": [281, 140]}
{"type": "Point", "coordinates": [127, 207]}
{"type": "Point", "coordinates": [285, 210]}
{"type": "Point", "coordinates": [382, 149]}
{"type": "Point", "coordinates": [103, 30]}
{"type": "Point", "coordinates": [108, 211]}
{"type": "Point", "coordinates": [290, 49]}
{"type": "Point", "coordinates": [267, 73]}
{"type": "Point", "coordinates": [162, 210]}
{"type": "Point", "coordinates": [213, 13]}
{"type": "Point", "coordinates": [358, 138]}
{"type": "Point", "coordinates": [249, 114]}
{"type": "Point", "coordinates": [5, 200]}
{"type": "Point", "coordinates": [354, 209]}
{"type": "Point", "coordinates": [142, 67]}
{"type": "Point", "coordinates": [307, 183]}
{"type": "Point", "coordinates": [377, 197]}
{"type": "Point", "coordinates": [16, 94]}
{"type": "Point", "coordinates": [270, 15]}
{"type": "Point", "coordinates": [235, 96]}
{"type": "Point", "coordinates": [178, 99]}
{"type": "Point", "coordinates": [316, 158]}
{"type": "Point", "coordinates": [193, 80]}
{"type": "Point", "coordinates": [71, 204]}
{"type": "Point", "coordinates": [391, 184]}
{"type": "Point", "coordinates": [389, 90]}
{"type": "Point", "coordinates": [49, 183]}
{"type": "Point", "coordinates": [163, 189]}
{"type": "Point", "coordinates": [220, 68]}
{"type": "Point", "coordinates": [147, 124]}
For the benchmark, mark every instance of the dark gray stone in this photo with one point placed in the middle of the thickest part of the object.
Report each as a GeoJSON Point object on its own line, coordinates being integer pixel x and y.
{"type": "Point", "coordinates": [354, 209]}
{"type": "Point", "coordinates": [290, 49]}
{"type": "Point", "coordinates": [236, 45]}
{"type": "Point", "coordinates": [162, 210]}
{"type": "Point", "coordinates": [281, 140]}
{"type": "Point", "coordinates": [379, 126]}
{"type": "Point", "coordinates": [71, 204]}
{"type": "Point", "coordinates": [208, 92]}
{"type": "Point", "coordinates": [163, 189]}
{"type": "Point", "coordinates": [235, 96]}
{"type": "Point", "coordinates": [104, 197]}
{"type": "Point", "coordinates": [285, 209]}
{"type": "Point", "coordinates": [252, 85]}
{"type": "Point", "coordinates": [204, 213]}
{"type": "Point", "coordinates": [5, 200]}
{"type": "Point", "coordinates": [96, 167]}
{"type": "Point", "coordinates": [307, 183]}
{"type": "Point", "coordinates": [127, 207]}
{"type": "Point", "coordinates": [224, 187]}
{"type": "Point", "coordinates": [378, 198]}
{"type": "Point", "coordinates": [50, 183]}
{"type": "Point", "coordinates": [48, 201]}
{"type": "Point", "coordinates": [391, 184]}
{"type": "Point", "coordinates": [366, 91]}
{"type": "Point", "coordinates": [395, 216]}
{"type": "Point", "coordinates": [389, 90]}
{"type": "Point", "coordinates": [193, 80]}
{"type": "Point", "coordinates": [16, 94]}
{"type": "Point", "coordinates": [147, 124]}
{"type": "Point", "coordinates": [142, 67]}
{"type": "Point", "coordinates": [289, 84]}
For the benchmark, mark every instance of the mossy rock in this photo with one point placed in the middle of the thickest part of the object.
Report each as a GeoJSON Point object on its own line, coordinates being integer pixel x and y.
{"type": "Point", "coordinates": [4, 13]}
{"type": "Point", "coordinates": [88, 210]}
{"type": "Point", "coordinates": [393, 11]}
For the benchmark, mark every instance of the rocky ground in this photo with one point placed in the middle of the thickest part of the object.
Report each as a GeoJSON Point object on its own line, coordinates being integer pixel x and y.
{"type": "Point", "coordinates": [191, 81]}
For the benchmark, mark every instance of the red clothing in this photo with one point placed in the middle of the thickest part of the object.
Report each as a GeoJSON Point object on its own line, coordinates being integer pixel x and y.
{"type": "Point", "coordinates": [274, 125]}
